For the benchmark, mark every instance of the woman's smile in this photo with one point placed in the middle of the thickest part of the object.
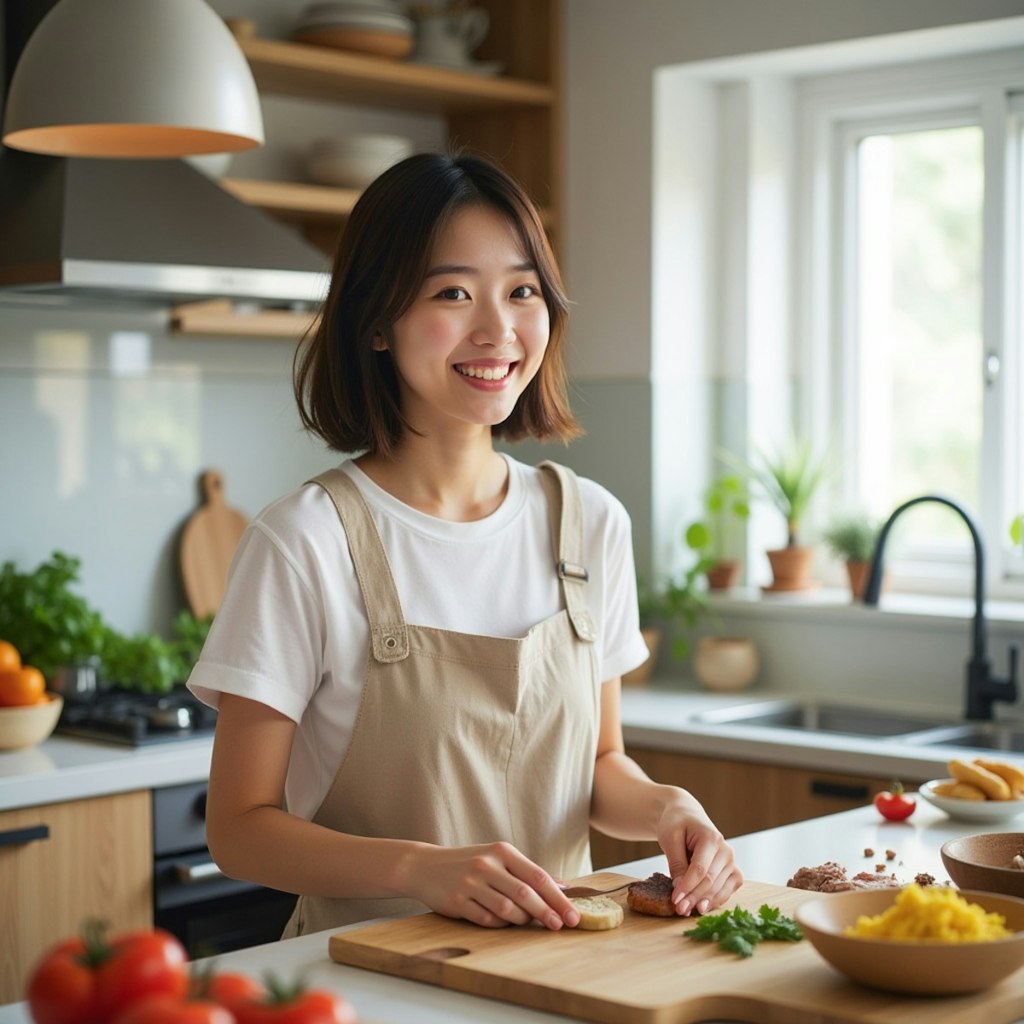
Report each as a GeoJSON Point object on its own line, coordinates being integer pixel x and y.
{"type": "Point", "coordinates": [489, 376]}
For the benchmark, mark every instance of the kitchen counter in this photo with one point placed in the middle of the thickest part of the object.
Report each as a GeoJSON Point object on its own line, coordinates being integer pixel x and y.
{"type": "Point", "coordinates": [74, 769]}
{"type": "Point", "coordinates": [770, 856]}
{"type": "Point", "coordinates": [659, 717]}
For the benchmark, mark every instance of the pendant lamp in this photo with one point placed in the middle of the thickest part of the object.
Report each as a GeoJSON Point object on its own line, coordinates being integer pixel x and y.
{"type": "Point", "coordinates": [132, 78]}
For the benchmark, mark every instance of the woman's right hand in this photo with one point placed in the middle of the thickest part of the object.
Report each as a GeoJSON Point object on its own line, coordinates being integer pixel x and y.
{"type": "Point", "coordinates": [492, 885]}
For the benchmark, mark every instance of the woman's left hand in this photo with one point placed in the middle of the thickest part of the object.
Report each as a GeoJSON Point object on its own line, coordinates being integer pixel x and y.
{"type": "Point", "coordinates": [701, 863]}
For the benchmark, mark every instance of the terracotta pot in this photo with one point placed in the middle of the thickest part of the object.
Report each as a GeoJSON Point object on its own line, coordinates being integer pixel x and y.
{"type": "Point", "coordinates": [642, 673]}
{"type": "Point", "coordinates": [723, 575]}
{"type": "Point", "coordinates": [791, 569]}
{"type": "Point", "coordinates": [858, 575]}
{"type": "Point", "coordinates": [725, 663]}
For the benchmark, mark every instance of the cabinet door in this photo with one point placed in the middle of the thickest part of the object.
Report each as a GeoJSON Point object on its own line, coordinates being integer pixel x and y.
{"type": "Point", "coordinates": [62, 863]}
{"type": "Point", "coordinates": [742, 796]}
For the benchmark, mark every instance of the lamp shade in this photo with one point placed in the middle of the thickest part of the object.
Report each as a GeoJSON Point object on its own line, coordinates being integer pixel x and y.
{"type": "Point", "coordinates": [132, 78]}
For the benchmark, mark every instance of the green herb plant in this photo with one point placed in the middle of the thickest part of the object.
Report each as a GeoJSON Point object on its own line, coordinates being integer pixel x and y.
{"type": "Point", "coordinates": [727, 507]}
{"type": "Point", "coordinates": [678, 602]}
{"type": "Point", "coordinates": [1017, 529]}
{"type": "Point", "coordinates": [739, 931]}
{"type": "Point", "coordinates": [53, 626]}
{"type": "Point", "coordinates": [852, 537]}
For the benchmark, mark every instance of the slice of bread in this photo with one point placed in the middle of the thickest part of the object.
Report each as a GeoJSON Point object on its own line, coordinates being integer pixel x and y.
{"type": "Point", "coordinates": [598, 913]}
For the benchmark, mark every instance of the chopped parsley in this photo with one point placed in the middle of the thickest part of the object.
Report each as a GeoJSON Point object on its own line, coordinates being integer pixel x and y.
{"type": "Point", "coordinates": [739, 931]}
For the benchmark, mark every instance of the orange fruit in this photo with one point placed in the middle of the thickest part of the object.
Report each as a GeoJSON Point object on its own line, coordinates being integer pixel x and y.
{"type": "Point", "coordinates": [21, 686]}
{"type": "Point", "coordinates": [10, 659]}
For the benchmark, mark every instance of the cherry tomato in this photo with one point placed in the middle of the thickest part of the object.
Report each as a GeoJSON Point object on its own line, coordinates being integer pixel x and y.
{"type": "Point", "coordinates": [229, 989]}
{"type": "Point", "coordinates": [90, 980]}
{"type": "Point", "coordinates": [170, 1010]}
{"type": "Point", "coordinates": [894, 804]}
{"type": "Point", "coordinates": [296, 1005]}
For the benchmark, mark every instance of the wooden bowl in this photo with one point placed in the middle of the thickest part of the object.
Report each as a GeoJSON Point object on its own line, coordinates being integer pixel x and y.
{"type": "Point", "coordinates": [379, 43]}
{"type": "Point", "coordinates": [984, 862]}
{"type": "Point", "coordinates": [917, 968]}
{"type": "Point", "coordinates": [30, 724]}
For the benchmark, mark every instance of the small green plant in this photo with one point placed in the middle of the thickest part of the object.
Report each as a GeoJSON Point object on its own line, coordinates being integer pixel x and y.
{"type": "Point", "coordinates": [852, 537]}
{"type": "Point", "coordinates": [727, 507]}
{"type": "Point", "coordinates": [677, 603]}
{"type": "Point", "coordinates": [53, 626]}
{"type": "Point", "coordinates": [1017, 529]}
{"type": "Point", "coordinates": [788, 478]}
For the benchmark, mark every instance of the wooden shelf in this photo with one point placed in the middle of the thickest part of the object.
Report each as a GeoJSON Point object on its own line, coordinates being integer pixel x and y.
{"type": "Point", "coordinates": [302, 203]}
{"type": "Point", "coordinates": [294, 200]}
{"type": "Point", "coordinates": [297, 69]}
{"type": "Point", "coordinates": [221, 317]}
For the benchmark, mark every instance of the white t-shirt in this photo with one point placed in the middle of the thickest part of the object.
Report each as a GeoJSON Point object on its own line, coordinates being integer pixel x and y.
{"type": "Point", "coordinates": [292, 630]}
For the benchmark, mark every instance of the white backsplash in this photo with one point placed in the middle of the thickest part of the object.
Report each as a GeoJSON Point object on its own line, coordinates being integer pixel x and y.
{"type": "Point", "coordinates": [107, 422]}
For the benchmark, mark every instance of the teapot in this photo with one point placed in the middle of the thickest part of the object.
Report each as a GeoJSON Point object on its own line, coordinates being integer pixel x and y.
{"type": "Point", "coordinates": [449, 36]}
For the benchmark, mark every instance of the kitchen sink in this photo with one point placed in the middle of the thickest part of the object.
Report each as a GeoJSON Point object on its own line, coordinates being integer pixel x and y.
{"type": "Point", "coordinates": [976, 735]}
{"type": "Point", "coordinates": [814, 716]}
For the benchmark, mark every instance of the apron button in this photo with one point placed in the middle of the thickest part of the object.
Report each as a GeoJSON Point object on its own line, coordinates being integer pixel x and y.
{"type": "Point", "coordinates": [390, 642]}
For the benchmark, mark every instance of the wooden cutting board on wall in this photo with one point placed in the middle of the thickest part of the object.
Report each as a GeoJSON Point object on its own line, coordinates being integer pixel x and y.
{"type": "Point", "coordinates": [648, 972]}
{"type": "Point", "coordinates": [208, 542]}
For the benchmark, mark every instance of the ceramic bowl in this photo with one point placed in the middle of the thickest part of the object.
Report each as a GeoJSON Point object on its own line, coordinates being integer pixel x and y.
{"type": "Point", "coordinates": [31, 724]}
{"type": "Point", "coordinates": [355, 160]}
{"type": "Point", "coordinates": [915, 968]}
{"type": "Point", "coordinates": [984, 862]}
{"type": "Point", "coordinates": [970, 810]}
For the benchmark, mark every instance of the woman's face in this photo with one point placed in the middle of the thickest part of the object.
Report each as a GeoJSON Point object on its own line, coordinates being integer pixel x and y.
{"type": "Point", "coordinates": [476, 333]}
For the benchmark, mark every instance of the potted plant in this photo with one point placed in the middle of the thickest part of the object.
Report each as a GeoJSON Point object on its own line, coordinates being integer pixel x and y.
{"type": "Point", "coordinates": [717, 537]}
{"type": "Point", "coordinates": [789, 479]}
{"type": "Point", "coordinates": [852, 538]}
{"type": "Point", "coordinates": [675, 604]}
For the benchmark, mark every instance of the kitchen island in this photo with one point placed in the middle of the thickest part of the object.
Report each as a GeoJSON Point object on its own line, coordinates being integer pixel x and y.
{"type": "Point", "coordinates": [770, 856]}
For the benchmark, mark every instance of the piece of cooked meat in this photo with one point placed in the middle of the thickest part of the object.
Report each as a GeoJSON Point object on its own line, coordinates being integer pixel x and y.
{"type": "Point", "coordinates": [832, 877]}
{"type": "Point", "coordinates": [652, 896]}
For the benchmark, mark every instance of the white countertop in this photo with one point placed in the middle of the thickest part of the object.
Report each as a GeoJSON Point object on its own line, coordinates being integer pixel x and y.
{"type": "Point", "coordinates": [770, 856]}
{"type": "Point", "coordinates": [659, 717]}
{"type": "Point", "coordinates": [73, 769]}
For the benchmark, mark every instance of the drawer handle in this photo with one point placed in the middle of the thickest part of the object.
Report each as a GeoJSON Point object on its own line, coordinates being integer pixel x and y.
{"type": "Point", "coordinates": [22, 836]}
{"type": "Point", "coordinates": [843, 791]}
{"type": "Point", "coordinates": [190, 874]}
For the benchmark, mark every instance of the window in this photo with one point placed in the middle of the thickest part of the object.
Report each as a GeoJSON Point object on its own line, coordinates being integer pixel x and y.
{"type": "Point", "coordinates": [838, 245]}
{"type": "Point", "coordinates": [925, 381]}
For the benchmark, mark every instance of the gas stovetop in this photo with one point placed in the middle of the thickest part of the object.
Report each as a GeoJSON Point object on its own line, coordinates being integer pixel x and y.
{"type": "Point", "coordinates": [135, 719]}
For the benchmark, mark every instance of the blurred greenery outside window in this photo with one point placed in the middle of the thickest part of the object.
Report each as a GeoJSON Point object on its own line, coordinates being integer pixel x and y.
{"type": "Point", "coordinates": [930, 335]}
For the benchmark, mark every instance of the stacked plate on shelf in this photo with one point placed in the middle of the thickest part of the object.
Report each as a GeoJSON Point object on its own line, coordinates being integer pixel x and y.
{"type": "Point", "coordinates": [377, 27]}
{"type": "Point", "coordinates": [353, 161]}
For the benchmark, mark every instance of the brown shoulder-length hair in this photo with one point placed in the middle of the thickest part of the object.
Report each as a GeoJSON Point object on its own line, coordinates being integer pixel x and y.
{"type": "Point", "coordinates": [347, 391]}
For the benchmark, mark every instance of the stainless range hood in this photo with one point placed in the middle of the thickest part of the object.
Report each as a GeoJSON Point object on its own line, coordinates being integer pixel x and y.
{"type": "Point", "coordinates": [156, 232]}
{"type": "Point", "coordinates": [143, 231]}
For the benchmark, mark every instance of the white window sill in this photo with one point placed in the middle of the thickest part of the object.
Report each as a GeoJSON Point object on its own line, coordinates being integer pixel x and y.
{"type": "Point", "coordinates": [835, 605]}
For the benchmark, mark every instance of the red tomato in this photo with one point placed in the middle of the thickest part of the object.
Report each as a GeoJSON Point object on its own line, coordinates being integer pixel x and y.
{"type": "Point", "coordinates": [893, 804]}
{"type": "Point", "coordinates": [230, 989]}
{"type": "Point", "coordinates": [313, 1007]}
{"type": "Point", "coordinates": [91, 980]}
{"type": "Point", "coordinates": [171, 1010]}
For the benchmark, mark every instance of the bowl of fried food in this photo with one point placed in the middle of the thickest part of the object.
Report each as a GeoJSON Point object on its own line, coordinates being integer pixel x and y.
{"type": "Point", "coordinates": [981, 789]}
{"type": "Point", "coordinates": [919, 940]}
{"type": "Point", "coordinates": [991, 862]}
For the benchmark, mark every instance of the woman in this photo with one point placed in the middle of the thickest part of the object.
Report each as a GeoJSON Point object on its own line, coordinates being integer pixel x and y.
{"type": "Point", "coordinates": [417, 660]}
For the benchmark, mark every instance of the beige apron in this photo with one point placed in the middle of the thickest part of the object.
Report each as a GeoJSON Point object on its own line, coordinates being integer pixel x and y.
{"type": "Point", "coordinates": [463, 739]}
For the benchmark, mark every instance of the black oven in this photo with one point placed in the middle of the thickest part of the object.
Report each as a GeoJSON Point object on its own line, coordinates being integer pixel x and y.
{"type": "Point", "coordinates": [209, 912]}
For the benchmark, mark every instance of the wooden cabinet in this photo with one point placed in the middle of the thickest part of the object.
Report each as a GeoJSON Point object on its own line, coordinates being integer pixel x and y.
{"type": "Point", "coordinates": [743, 796]}
{"type": "Point", "coordinates": [513, 117]}
{"type": "Point", "coordinates": [62, 863]}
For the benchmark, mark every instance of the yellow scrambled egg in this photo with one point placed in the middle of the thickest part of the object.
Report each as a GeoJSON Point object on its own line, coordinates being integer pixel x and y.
{"type": "Point", "coordinates": [931, 914]}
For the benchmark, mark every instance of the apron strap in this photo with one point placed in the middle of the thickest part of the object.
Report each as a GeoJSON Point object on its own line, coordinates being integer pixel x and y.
{"type": "Point", "coordinates": [389, 637]}
{"type": "Point", "coordinates": [566, 512]}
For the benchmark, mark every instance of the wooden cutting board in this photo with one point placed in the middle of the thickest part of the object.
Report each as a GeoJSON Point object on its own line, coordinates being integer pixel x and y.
{"type": "Point", "coordinates": [647, 972]}
{"type": "Point", "coordinates": [208, 542]}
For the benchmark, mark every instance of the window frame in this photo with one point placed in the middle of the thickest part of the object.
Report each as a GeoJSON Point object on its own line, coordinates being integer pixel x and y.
{"type": "Point", "coordinates": [834, 111]}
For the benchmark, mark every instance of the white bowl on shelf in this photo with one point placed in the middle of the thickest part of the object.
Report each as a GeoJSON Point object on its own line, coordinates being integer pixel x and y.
{"type": "Point", "coordinates": [353, 161]}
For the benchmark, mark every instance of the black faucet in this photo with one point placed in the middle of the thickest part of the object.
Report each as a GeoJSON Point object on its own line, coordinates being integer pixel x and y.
{"type": "Point", "coordinates": [983, 689]}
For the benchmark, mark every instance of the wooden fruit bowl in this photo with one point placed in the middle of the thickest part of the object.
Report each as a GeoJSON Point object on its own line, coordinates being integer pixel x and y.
{"type": "Point", "coordinates": [27, 725]}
